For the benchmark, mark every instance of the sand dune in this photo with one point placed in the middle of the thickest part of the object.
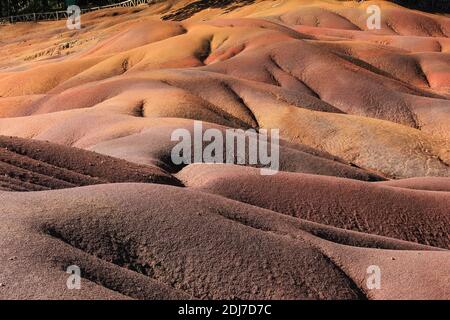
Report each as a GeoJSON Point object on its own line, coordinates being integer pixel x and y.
{"type": "Point", "coordinates": [430, 184]}
{"type": "Point", "coordinates": [283, 75]}
{"type": "Point", "coordinates": [418, 216]}
{"type": "Point", "coordinates": [213, 248]}
{"type": "Point", "coordinates": [153, 145]}
{"type": "Point", "coordinates": [364, 120]}
{"type": "Point", "coordinates": [33, 166]}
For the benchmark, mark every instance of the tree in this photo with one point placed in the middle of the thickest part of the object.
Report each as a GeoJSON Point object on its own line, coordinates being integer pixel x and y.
{"type": "Point", "coordinates": [441, 6]}
{"type": "Point", "coordinates": [17, 7]}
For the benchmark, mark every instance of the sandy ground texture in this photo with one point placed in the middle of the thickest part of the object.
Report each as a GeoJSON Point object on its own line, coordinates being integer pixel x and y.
{"type": "Point", "coordinates": [87, 179]}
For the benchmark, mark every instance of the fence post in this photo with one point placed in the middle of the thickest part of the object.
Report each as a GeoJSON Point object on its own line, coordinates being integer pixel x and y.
{"type": "Point", "coordinates": [34, 16]}
{"type": "Point", "coordinates": [57, 15]}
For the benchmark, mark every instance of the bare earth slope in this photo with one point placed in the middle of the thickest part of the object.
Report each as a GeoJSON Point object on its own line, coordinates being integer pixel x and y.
{"type": "Point", "coordinates": [395, 121]}
{"type": "Point", "coordinates": [134, 240]}
{"type": "Point", "coordinates": [34, 165]}
{"type": "Point", "coordinates": [364, 120]}
{"type": "Point", "coordinates": [418, 216]}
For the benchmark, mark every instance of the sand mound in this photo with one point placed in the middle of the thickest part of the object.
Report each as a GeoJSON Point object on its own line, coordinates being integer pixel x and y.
{"type": "Point", "coordinates": [33, 165]}
{"type": "Point", "coordinates": [394, 150]}
{"type": "Point", "coordinates": [154, 146]}
{"type": "Point", "coordinates": [133, 240]}
{"type": "Point", "coordinates": [395, 121]}
{"type": "Point", "coordinates": [354, 108]}
{"type": "Point", "coordinates": [430, 184]}
{"type": "Point", "coordinates": [421, 217]}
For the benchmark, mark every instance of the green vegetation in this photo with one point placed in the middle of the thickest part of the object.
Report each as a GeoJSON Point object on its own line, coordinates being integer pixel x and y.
{"type": "Point", "coordinates": [17, 7]}
{"type": "Point", "coordinates": [426, 5]}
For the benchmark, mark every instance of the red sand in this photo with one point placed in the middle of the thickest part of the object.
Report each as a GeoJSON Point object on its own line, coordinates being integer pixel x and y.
{"type": "Point", "coordinates": [364, 119]}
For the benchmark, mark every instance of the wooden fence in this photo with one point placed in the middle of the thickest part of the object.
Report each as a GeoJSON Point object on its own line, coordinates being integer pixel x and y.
{"type": "Point", "coordinates": [58, 15]}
